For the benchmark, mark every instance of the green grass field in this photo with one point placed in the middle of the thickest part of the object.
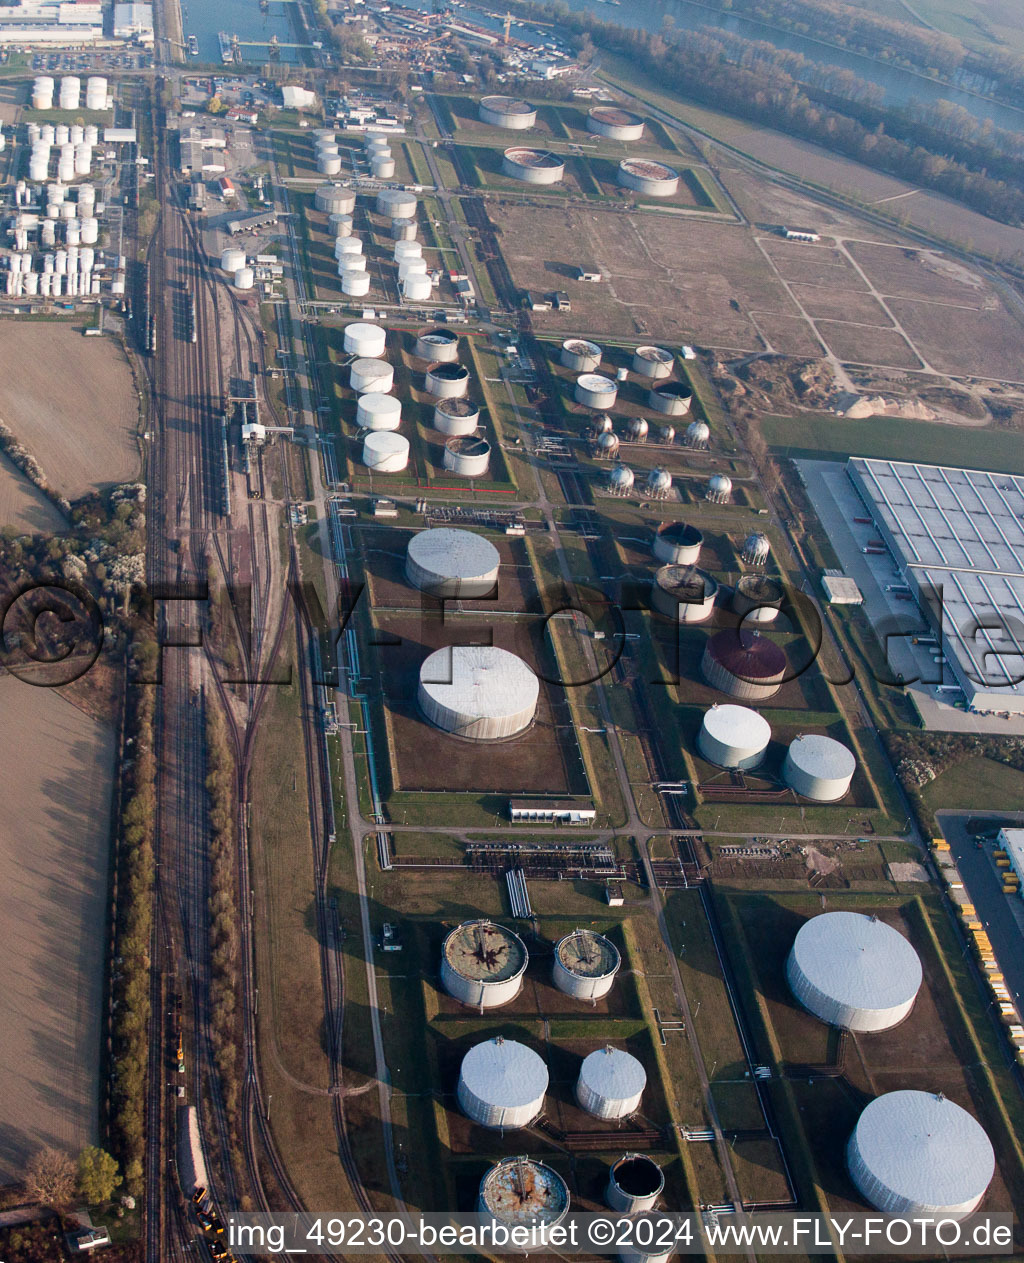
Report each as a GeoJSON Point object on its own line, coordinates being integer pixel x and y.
{"type": "Point", "coordinates": [976, 783]}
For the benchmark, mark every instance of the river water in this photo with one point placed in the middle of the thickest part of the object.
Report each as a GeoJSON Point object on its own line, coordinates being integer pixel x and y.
{"type": "Point", "coordinates": [244, 18]}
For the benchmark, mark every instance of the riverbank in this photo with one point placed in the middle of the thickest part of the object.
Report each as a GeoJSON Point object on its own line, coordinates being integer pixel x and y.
{"type": "Point", "coordinates": [169, 28]}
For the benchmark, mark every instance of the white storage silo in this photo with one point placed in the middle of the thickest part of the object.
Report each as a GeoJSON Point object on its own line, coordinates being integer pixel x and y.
{"type": "Point", "coordinates": [90, 231]}
{"type": "Point", "coordinates": [635, 1183]}
{"type": "Point", "coordinates": [579, 355]}
{"type": "Point", "coordinates": [744, 664]}
{"type": "Point", "coordinates": [417, 289]}
{"type": "Point", "coordinates": [446, 381]}
{"type": "Point", "coordinates": [383, 168]}
{"type": "Point", "coordinates": [376, 375]}
{"type": "Point", "coordinates": [502, 1083]}
{"type": "Point", "coordinates": [819, 768]}
{"type": "Point", "coordinates": [332, 199]}
{"type": "Point", "coordinates": [757, 599]}
{"type": "Point", "coordinates": [396, 204]}
{"type": "Point", "coordinates": [733, 737]}
{"type": "Point", "coordinates": [47, 234]}
{"type": "Point", "coordinates": [439, 346]}
{"type": "Point", "coordinates": [95, 93]}
{"type": "Point", "coordinates": [585, 965]}
{"type": "Point", "coordinates": [31, 283]}
{"type": "Point", "coordinates": [920, 1154]}
{"type": "Point", "coordinates": [407, 250]}
{"type": "Point", "coordinates": [340, 225]}
{"type": "Point", "coordinates": [455, 416]}
{"type": "Point", "coordinates": [478, 691]}
{"type": "Point", "coordinates": [594, 391]}
{"type": "Point", "coordinates": [377, 411]}
{"type": "Point", "coordinates": [611, 1083]}
{"type": "Point", "coordinates": [86, 259]}
{"type": "Point", "coordinates": [678, 543]}
{"type": "Point", "coordinates": [482, 964]}
{"type": "Point", "coordinates": [232, 259]}
{"type": "Point", "coordinates": [385, 451]}
{"type": "Point", "coordinates": [245, 278]}
{"type": "Point", "coordinates": [42, 93]}
{"type": "Point", "coordinates": [447, 562]}
{"type": "Point", "coordinates": [76, 134]}
{"type": "Point", "coordinates": [365, 340]}
{"type": "Point", "coordinates": [403, 229]}
{"type": "Point", "coordinates": [468, 455]}
{"type": "Point", "coordinates": [48, 134]}
{"type": "Point", "coordinates": [344, 246]}
{"type": "Point", "coordinates": [70, 92]}
{"type": "Point", "coordinates": [853, 971]}
{"type": "Point", "coordinates": [356, 284]}
{"type": "Point", "coordinates": [522, 1193]}
{"type": "Point", "coordinates": [328, 164]}
{"type": "Point", "coordinates": [653, 362]}
{"type": "Point", "coordinates": [684, 593]}
{"type": "Point", "coordinates": [412, 267]}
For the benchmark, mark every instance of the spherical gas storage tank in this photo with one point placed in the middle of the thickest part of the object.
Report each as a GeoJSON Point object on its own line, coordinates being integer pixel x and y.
{"type": "Point", "coordinates": [620, 480]}
{"type": "Point", "coordinates": [684, 593]}
{"type": "Point", "coordinates": [698, 435]}
{"type": "Point", "coordinates": [365, 340]}
{"type": "Point", "coordinates": [734, 737]}
{"type": "Point", "coordinates": [614, 123]}
{"type": "Point", "coordinates": [385, 451]}
{"type": "Point", "coordinates": [468, 455]}
{"type": "Point", "coordinates": [478, 691]}
{"type": "Point", "coordinates": [678, 543]}
{"type": "Point", "coordinates": [579, 355]}
{"type": "Point", "coordinates": [502, 1084]}
{"type": "Point", "coordinates": [482, 964]}
{"type": "Point", "coordinates": [659, 483]}
{"type": "Point", "coordinates": [653, 362]}
{"type": "Point", "coordinates": [819, 768]}
{"type": "Point", "coordinates": [757, 598]}
{"type": "Point", "coordinates": [396, 204]}
{"type": "Point", "coordinates": [378, 411]}
{"type": "Point", "coordinates": [532, 166]}
{"type": "Point", "coordinates": [450, 562]}
{"type": "Point", "coordinates": [371, 375]}
{"type": "Point", "coordinates": [594, 391]}
{"type": "Point", "coordinates": [507, 111]}
{"type": "Point", "coordinates": [743, 664]}
{"type": "Point", "coordinates": [403, 229]}
{"type": "Point", "coordinates": [455, 416]}
{"type": "Point", "coordinates": [520, 1192]}
{"type": "Point", "coordinates": [440, 346]}
{"type": "Point", "coordinates": [332, 199]}
{"type": "Point", "coordinates": [446, 380]}
{"type": "Point", "coordinates": [920, 1154]}
{"type": "Point", "coordinates": [719, 489]}
{"type": "Point", "coordinates": [853, 971]}
{"type": "Point", "coordinates": [756, 548]}
{"type": "Point", "coordinates": [232, 259]}
{"type": "Point", "coordinates": [635, 1183]}
{"type": "Point", "coordinates": [607, 445]}
{"type": "Point", "coordinates": [585, 965]}
{"type": "Point", "coordinates": [654, 179]}
{"type": "Point", "coordinates": [611, 1083]}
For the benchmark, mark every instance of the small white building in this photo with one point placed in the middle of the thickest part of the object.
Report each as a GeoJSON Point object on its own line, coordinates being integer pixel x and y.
{"type": "Point", "coordinates": [542, 811]}
{"type": "Point", "coordinates": [134, 21]}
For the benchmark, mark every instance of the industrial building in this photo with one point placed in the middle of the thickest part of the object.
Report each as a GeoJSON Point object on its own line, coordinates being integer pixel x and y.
{"type": "Point", "coordinates": [635, 1183]}
{"type": "Point", "coordinates": [478, 691]}
{"type": "Point", "coordinates": [957, 538]}
{"type": "Point", "coordinates": [1012, 842]}
{"type": "Point", "coordinates": [684, 593]}
{"type": "Point", "coordinates": [133, 22]}
{"type": "Point", "coordinates": [508, 112]}
{"type": "Point", "coordinates": [734, 737]}
{"type": "Point", "coordinates": [611, 1083]}
{"type": "Point", "coordinates": [614, 123]}
{"type": "Point", "coordinates": [547, 811]}
{"type": "Point", "coordinates": [482, 964]}
{"type": "Point", "coordinates": [678, 543]}
{"type": "Point", "coordinates": [819, 768]}
{"type": "Point", "coordinates": [853, 971]}
{"type": "Point", "coordinates": [446, 562]}
{"type": "Point", "coordinates": [642, 175]}
{"type": "Point", "coordinates": [743, 664]}
{"type": "Point", "coordinates": [920, 1154]}
{"type": "Point", "coordinates": [523, 1193]}
{"type": "Point", "coordinates": [532, 166]}
{"type": "Point", "coordinates": [585, 965]}
{"type": "Point", "coordinates": [502, 1083]}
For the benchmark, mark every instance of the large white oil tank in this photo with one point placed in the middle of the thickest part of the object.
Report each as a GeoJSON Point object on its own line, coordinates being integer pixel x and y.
{"type": "Point", "coordinates": [403, 229]}
{"type": "Point", "coordinates": [508, 112]}
{"type": "Point", "coordinates": [585, 965]}
{"type": "Point", "coordinates": [377, 411]}
{"type": "Point", "coordinates": [332, 199]}
{"type": "Point", "coordinates": [853, 971]}
{"type": "Point", "coordinates": [611, 1083]}
{"type": "Point", "coordinates": [90, 231]}
{"type": "Point", "coordinates": [635, 1183]}
{"type": "Point", "coordinates": [482, 964]}
{"type": "Point", "coordinates": [684, 593]}
{"type": "Point", "coordinates": [364, 339]}
{"type": "Point", "coordinates": [456, 416]}
{"type": "Point", "coordinates": [377, 375]}
{"type": "Point", "coordinates": [819, 767]}
{"type": "Point", "coordinates": [447, 381]}
{"type": "Point", "coordinates": [407, 250]}
{"type": "Point", "coordinates": [653, 362]}
{"type": "Point", "coordinates": [396, 204]}
{"type": "Point", "coordinates": [76, 134]}
{"type": "Point", "coordinates": [449, 562]}
{"type": "Point", "coordinates": [468, 455]}
{"type": "Point", "coordinates": [502, 1083]}
{"type": "Point", "coordinates": [594, 391]}
{"type": "Point", "coordinates": [757, 599]}
{"type": "Point", "coordinates": [352, 263]}
{"type": "Point", "coordinates": [579, 355]}
{"type": "Point", "coordinates": [920, 1154]}
{"type": "Point", "coordinates": [245, 278]}
{"type": "Point", "coordinates": [615, 123]}
{"type": "Point", "coordinates": [642, 175]}
{"type": "Point", "coordinates": [42, 93]}
{"type": "Point", "coordinates": [70, 92]}
{"type": "Point", "coordinates": [347, 246]}
{"type": "Point", "coordinates": [678, 543]}
{"type": "Point", "coordinates": [522, 1193]}
{"type": "Point", "coordinates": [734, 737]}
{"type": "Point", "coordinates": [232, 259]}
{"type": "Point", "coordinates": [92, 134]}
{"type": "Point", "coordinates": [83, 159]}
{"type": "Point", "coordinates": [328, 164]}
{"type": "Point", "coordinates": [95, 93]}
{"type": "Point", "coordinates": [478, 691]}
{"type": "Point", "coordinates": [356, 284]}
{"type": "Point", "coordinates": [439, 346]}
{"type": "Point", "coordinates": [412, 267]}
{"type": "Point", "coordinates": [742, 663]}
{"type": "Point", "coordinates": [383, 168]}
{"type": "Point", "coordinates": [385, 451]}
{"type": "Point", "coordinates": [340, 225]}
{"type": "Point", "coordinates": [417, 289]}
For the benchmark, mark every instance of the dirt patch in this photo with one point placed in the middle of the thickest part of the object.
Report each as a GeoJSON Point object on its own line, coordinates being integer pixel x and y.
{"type": "Point", "coordinates": [909, 273]}
{"type": "Point", "coordinates": [56, 764]}
{"type": "Point", "coordinates": [863, 344]}
{"type": "Point", "coordinates": [829, 303]}
{"type": "Point", "coordinates": [24, 506]}
{"type": "Point", "coordinates": [975, 343]}
{"type": "Point", "coordinates": [788, 335]}
{"type": "Point", "coordinates": [71, 401]}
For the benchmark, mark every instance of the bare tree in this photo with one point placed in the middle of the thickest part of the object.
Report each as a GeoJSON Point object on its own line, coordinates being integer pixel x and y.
{"type": "Point", "coordinates": [50, 1178]}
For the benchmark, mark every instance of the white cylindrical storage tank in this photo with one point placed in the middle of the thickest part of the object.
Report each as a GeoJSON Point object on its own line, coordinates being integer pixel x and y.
{"type": "Point", "coordinates": [522, 1193]}
{"type": "Point", "coordinates": [34, 133]}
{"type": "Point", "coordinates": [757, 599]}
{"type": "Point", "coordinates": [733, 737]}
{"type": "Point", "coordinates": [31, 283]}
{"type": "Point", "coordinates": [324, 133]}
{"type": "Point", "coordinates": [232, 259]}
{"type": "Point", "coordinates": [678, 543]}
{"type": "Point", "coordinates": [58, 193]}
{"type": "Point", "coordinates": [653, 362]}
{"type": "Point", "coordinates": [70, 92]}
{"type": "Point", "coordinates": [352, 263]}
{"type": "Point", "coordinates": [328, 164]}
{"type": "Point", "coordinates": [594, 391]}
{"type": "Point", "coordinates": [347, 246]}
{"type": "Point", "coordinates": [684, 593]}
{"type": "Point", "coordinates": [585, 965]}
{"type": "Point", "coordinates": [482, 964]}
{"type": "Point", "coordinates": [42, 93]}
{"type": "Point", "coordinates": [417, 288]}
{"type": "Point", "coordinates": [744, 664]}
{"type": "Point", "coordinates": [654, 179]}
{"type": "Point", "coordinates": [60, 262]}
{"type": "Point", "coordinates": [52, 210]}
{"type": "Point", "coordinates": [635, 1183]}
{"type": "Point", "coordinates": [86, 259]}
{"type": "Point", "coordinates": [447, 381]}
{"type": "Point", "coordinates": [369, 374]}
{"type": "Point", "coordinates": [468, 456]}
{"type": "Point", "coordinates": [447, 562]}
{"type": "Point", "coordinates": [412, 267]}
{"type": "Point", "coordinates": [67, 211]}
{"type": "Point", "coordinates": [73, 235]}
{"type": "Point", "coordinates": [118, 284]}
{"type": "Point", "coordinates": [245, 278]}
{"type": "Point", "coordinates": [92, 134]}
{"type": "Point", "coordinates": [532, 166]}
{"type": "Point", "coordinates": [90, 231]}
{"type": "Point", "coordinates": [38, 166]}
{"type": "Point", "coordinates": [396, 204]}
{"type": "Point", "coordinates": [508, 112]}
{"type": "Point", "coordinates": [407, 250]}
{"type": "Point", "coordinates": [404, 229]}
{"type": "Point", "coordinates": [95, 93]}
{"type": "Point", "coordinates": [356, 284]}
{"type": "Point", "coordinates": [385, 451]}
{"type": "Point", "coordinates": [440, 346]}
{"type": "Point", "coordinates": [502, 1083]}
{"type": "Point", "coordinates": [47, 233]}
{"type": "Point", "coordinates": [673, 399]}
{"type": "Point", "coordinates": [340, 225]}
{"type": "Point", "coordinates": [819, 768]}
{"type": "Point", "coordinates": [478, 691]}
{"type": "Point", "coordinates": [332, 199]}
{"type": "Point", "coordinates": [377, 411]}
{"type": "Point", "coordinates": [920, 1154]}
{"type": "Point", "coordinates": [455, 416]}
{"type": "Point", "coordinates": [853, 971]}
{"type": "Point", "coordinates": [611, 1083]}
{"type": "Point", "coordinates": [383, 168]}
{"type": "Point", "coordinates": [614, 123]}
{"type": "Point", "coordinates": [59, 135]}
{"type": "Point", "coordinates": [76, 134]}
{"type": "Point", "coordinates": [376, 143]}
{"type": "Point", "coordinates": [719, 489]}
{"type": "Point", "coordinates": [579, 355]}
{"type": "Point", "coordinates": [365, 340]}
{"type": "Point", "coordinates": [327, 148]}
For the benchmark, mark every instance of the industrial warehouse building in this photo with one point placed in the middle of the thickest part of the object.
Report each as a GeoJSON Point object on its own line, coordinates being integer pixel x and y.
{"type": "Point", "coordinates": [957, 537]}
{"type": "Point", "coordinates": [546, 811]}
